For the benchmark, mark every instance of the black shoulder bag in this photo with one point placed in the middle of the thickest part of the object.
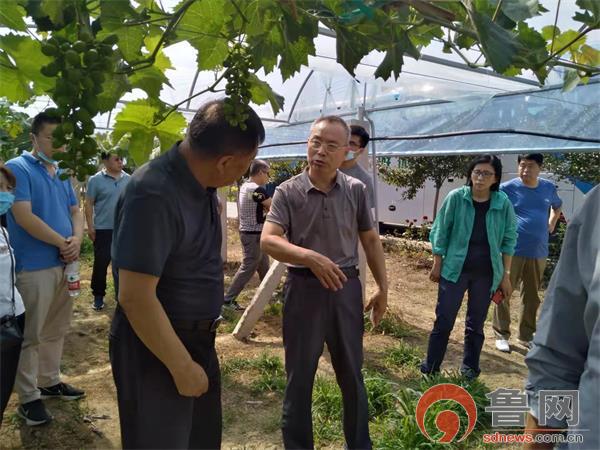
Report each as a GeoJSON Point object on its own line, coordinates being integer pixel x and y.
{"type": "Point", "coordinates": [11, 335]}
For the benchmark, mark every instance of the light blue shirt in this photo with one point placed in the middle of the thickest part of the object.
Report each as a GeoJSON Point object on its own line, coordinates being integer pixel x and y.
{"type": "Point", "coordinates": [566, 345]}
{"type": "Point", "coordinates": [532, 208]}
{"type": "Point", "coordinates": [51, 200]}
{"type": "Point", "coordinates": [104, 191]}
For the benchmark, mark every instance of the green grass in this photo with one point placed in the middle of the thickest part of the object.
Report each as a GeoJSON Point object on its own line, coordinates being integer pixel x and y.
{"type": "Point", "coordinates": [392, 412]}
{"type": "Point", "coordinates": [234, 365]}
{"type": "Point", "coordinates": [271, 374]}
{"type": "Point", "coordinates": [403, 355]}
{"type": "Point", "coordinates": [87, 250]}
{"type": "Point", "coordinates": [391, 325]}
{"type": "Point", "coordinates": [267, 372]}
{"type": "Point", "coordinates": [399, 430]}
{"type": "Point", "coordinates": [274, 309]}
{"type": "Point", "coordinates": [230, 320]}
{"type": "Point", "coordinates": [327, 411]}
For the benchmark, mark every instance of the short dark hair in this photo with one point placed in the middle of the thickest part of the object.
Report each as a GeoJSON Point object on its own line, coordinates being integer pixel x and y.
{"type": "Point", "coordinates": [357, 130]}
{"type": "Point", "coordinates": [536, 157]}
{"type": "Point", "coordinates": [494, 161]}
{"type": "Point", "coordinates": [257, 166]}
{"type": "Point", "coordinates": [211, 135]}
{"type": "Point", "coordinates": [105, 155]}
{"type": "Point", "coordinates": [331, 119]}
{"type": "Point", "coordinates": [43, 118]}
{"type": "Point", "coordinates": [10, 177]}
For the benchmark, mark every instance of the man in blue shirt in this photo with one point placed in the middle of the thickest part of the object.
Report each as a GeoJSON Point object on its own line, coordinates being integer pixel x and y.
{"type": "Point", "coordinates": [103, 191]}
{"type": "Point", "coordinates": [46, 228]}
{"type": "Point", "coordinates": [537, 207]}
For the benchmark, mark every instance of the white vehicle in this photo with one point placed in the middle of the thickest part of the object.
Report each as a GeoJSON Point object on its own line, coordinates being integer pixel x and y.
{"type": "Point", "coordinates": [394, 210]}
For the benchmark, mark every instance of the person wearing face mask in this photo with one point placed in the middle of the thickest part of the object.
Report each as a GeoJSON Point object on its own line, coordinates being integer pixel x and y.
{"type": "Point", "coordinates": [537, 206]}
{"type": "Point", "coordinates": [315, 223]}
{"type": "Point", "coordinates": [359, 138]}
{"type": "Point", "coordinates": [46, 228]}
{"type": "Point", "coordinates": [473, 239]}
{"type": "Point", "coordinates": [254, 205]}
{"type": "Point", "coordinates": [11, 303]}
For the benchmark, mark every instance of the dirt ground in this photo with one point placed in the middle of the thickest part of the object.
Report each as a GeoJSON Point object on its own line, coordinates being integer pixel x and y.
{"type": "Point", "coordinates": [250, 420]}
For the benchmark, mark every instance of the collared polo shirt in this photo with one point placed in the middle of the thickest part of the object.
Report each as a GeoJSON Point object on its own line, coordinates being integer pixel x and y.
{"type": "Point", "coordinates": [532, 207]}
{"type": "Point", "coordinates": [104, 190]}
{"type": "Point", "coordinates": [357, 171]}
{"type": "Point", "coordinates": [167, 225]}
{"type": "Point", "coordinates": [51, 200]}
{"type": "Point", "coordinates": [326, 222]}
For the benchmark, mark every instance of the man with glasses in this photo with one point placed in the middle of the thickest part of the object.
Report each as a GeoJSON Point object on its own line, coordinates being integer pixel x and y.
{"type": "Point", "coordinates": [102, 193]}
{"type": "Point", "coordinates": [253, 207]}
{"type": "Point", "coordinates": [537, 207]}
{"type": "Point", "coordinates": [359, 138]}
{"type": "Point", "coordinates": [314, 225]}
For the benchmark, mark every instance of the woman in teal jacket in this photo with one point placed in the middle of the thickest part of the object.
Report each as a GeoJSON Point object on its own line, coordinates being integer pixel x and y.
{"type": "Point", "coordinates": [473, 240]}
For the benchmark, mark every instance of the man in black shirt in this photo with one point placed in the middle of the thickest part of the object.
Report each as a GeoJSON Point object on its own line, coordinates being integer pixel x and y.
{"type": "Point", "coordinates": [167, 249]}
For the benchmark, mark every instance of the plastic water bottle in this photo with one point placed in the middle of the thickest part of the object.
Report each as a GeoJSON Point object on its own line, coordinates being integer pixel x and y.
{"type": "Point", "coordinates": [72, 276]}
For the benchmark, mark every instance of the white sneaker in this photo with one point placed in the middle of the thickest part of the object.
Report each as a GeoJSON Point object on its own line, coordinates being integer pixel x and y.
{"type": "Point", "coordinates": [503, 345]}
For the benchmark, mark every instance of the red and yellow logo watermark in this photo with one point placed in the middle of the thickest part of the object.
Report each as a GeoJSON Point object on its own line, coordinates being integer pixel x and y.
{"type": "Point", "coordinates": [447, 421]}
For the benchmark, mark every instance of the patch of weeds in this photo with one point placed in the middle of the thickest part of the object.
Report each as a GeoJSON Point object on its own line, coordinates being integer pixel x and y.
{"type": "Point", "coordinates": [230, 320]}
{"type": "Point", "coordinates": [326, 411]}
{"type": "Point", "coordinates": [272, 423]}
{"type": "Point", "coordinates": [380, 394]}
{"type": "Point", "coordinates": [391, 324]}
{"type": "Point", "coordinates": [399, 430]}
{"type": "Point", "coordinates": [274, 309]}
{"type": "Point", "coordinates": [86, 252]}
{"type": "Point", "coordinates": [403, 355]}
{"type": "Point", "coordinates": [269, 371]}
{"type": "Point", "coordinates": [271, 374]}
{"type": "Point", "coordinates": [234, 365]}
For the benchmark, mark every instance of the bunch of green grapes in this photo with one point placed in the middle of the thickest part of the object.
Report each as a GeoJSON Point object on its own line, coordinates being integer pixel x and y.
{"type": "Point", "coordinates": [80, 68]}
{"type": "Point", "coordinates": [237, 67]}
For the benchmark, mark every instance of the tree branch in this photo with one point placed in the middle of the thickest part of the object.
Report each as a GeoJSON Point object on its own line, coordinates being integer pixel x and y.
{"type": "Point", "coordinates": [497, 10]}
{"type": "Point", "coordinates": [576, 66]}
{"type": "Point", "coordinates": [172, 24]}
{"type": "Point", "coordinates": [566, 46]}
{"type": "Point", "coordinates": [454, 47]}
{"type": "Point", "coordinates": [554, 30]}
{"type": "Point", "coordinates": [239, 11]}
{"type": "Point", "coordinates": [143, 22]}
{"type": "Point", "coordinates": [211, 88]}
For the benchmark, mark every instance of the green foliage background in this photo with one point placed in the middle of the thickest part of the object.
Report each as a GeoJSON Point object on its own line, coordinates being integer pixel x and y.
{"type": "Point", "coordinates": [87, 54]}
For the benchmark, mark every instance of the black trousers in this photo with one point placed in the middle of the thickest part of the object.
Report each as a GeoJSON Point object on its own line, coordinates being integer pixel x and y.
{"type": "Point", "coordinates": [9, 360]}
{"type": "Point", "coordinates": [152, 413]}
{"type": "Point", "coordinates": [313, 316]}
{"type": "Point", "coordinates": [450, 297]}
{"type": "Point", "coordinates": [102, 245]}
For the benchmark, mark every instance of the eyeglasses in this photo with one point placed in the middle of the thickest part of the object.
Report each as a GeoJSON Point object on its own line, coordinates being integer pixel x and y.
{"type": "Point", "coordinates": [316, 145]}
{"type": "Point", "coordinates": [482, 173]}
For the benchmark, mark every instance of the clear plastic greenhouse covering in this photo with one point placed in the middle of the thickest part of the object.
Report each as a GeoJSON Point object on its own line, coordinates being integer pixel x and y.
{"type": "Point", "coordinates": [573, 113]}
{"type": "Point", "coordinates": [438, 93]}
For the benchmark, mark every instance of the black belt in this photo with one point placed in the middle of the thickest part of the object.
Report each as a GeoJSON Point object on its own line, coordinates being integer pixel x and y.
{"type": "Point", "coordinates": [350, 272]}
{"type": "Point", "coordinates": [197, 325]}
{"type": "Point", "coordinates": [250, 232]}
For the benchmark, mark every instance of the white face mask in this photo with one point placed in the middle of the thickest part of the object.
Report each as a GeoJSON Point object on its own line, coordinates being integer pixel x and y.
{"type": "Point", "coordinates": [41, 155]}
{"type": "Point", "coordinates": [351, 155]}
